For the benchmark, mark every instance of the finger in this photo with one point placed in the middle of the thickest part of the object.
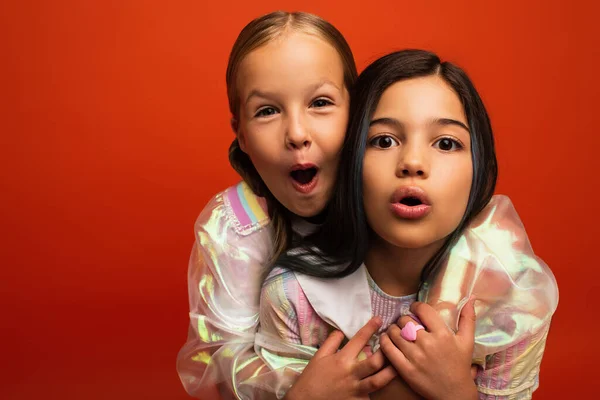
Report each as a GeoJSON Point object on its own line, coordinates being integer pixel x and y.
{"type": "Point", "coordinates": [394, 355]}
{"type": "Point", "coordinates": [466, 322]}
{"type": "Point", "coordinates": [378, 381]}
{"type": "Point", "coordinates": [409, 350]}
{"type": "Point", "coordinates": [369, 365]}
{"type": "Point", "coordinates": [330, 345]}
{"type": "Point", "coordinates": [405, 319]}
{"type": "Point", "coordinates": [431, 319]}
{"type": "Point", "coordinates": [407, 334]}
{"type": "Point", "coordinates": [362, 337]}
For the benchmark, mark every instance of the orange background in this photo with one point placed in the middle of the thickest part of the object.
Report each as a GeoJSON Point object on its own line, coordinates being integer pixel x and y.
{"type": "Point", "coordinates": [114, 134]}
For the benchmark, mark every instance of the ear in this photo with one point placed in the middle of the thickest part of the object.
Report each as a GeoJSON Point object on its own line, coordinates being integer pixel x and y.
{"type": "Point", "coordinates": [235, 127]}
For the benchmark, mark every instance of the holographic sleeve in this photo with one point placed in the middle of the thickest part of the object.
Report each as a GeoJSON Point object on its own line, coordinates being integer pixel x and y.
{"type": "Point", "coordinates": [279, 338]}
{"type": "Point", "coordinates": [225, 274]}
{"type": "Point", "coordinates": [513, 374]}
{"type": "Point", "coordinates": [515, 291]}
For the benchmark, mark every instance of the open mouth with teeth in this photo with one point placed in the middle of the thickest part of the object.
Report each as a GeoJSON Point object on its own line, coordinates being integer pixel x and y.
{"type": "Point", "coordinates": [304, 179]}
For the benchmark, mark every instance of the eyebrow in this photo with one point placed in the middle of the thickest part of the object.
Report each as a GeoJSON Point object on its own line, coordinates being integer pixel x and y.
{"type": "Point", "coordinates": [324, 82]}
{"type": "Point", "coordinates": [258, 93]}
{"type": "Point", "coordinates": [313, 88]}
{"type": "Point", "coordinates": [387, 121]}
{"type": "Point", "coordinates": [436, 121]}
{"type": "Point", "coordinates": [450, 121]}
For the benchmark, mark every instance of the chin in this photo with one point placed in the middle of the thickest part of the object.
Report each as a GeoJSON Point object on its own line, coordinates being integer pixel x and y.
{"type": "Point", "coordinates": [307, 212]}
{"type": "Point", "coordinates": [410, 238]}
{"type": "Point", "coordinates": [303, 213]}
{"type": "Point", "coordinates": [409, 243]}
{"type": "Point", "coordinates": [307, 209]}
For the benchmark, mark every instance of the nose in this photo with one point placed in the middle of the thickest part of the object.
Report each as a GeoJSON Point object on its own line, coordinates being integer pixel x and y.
{"type": "Point", "coordinates": [413, 162]}
{"type": "Point", "coordinates": [297, 134]}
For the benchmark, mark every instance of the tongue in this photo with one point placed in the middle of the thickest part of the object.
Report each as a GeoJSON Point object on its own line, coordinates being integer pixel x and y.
{"type": "Point", "coordinates": [303, 176]}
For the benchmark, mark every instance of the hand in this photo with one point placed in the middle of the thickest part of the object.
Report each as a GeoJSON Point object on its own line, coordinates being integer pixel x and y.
{"type": "Point", "coordinates": [437, 365]}
{"type": "Point", "coordinates": [396, 389]}
{"type": "Point", "coordinates": [399, 389]}
{"type": "Point", "coordinates": [333, 374]}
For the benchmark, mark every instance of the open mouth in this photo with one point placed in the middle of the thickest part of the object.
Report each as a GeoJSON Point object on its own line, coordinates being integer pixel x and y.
{"type": "Point", "coordinates": [411, 201]}
{"type": "Point", "coordinates": [304, 176]}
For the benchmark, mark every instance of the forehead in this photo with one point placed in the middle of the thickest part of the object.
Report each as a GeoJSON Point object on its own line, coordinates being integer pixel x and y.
{"type": "Point", "coordinates": [420, 99]}
{"type": "Point", "coordinates": [289, 61]}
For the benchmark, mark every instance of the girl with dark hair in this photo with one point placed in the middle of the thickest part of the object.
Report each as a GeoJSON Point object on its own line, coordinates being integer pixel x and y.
{"type": "Point", "coordinates": [414, 218]}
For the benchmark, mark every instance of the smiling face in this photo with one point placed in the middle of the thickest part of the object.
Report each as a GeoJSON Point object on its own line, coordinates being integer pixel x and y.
{"type": "Point", "coordinates": [417, 170]}
{"type": "Point", "coordinates": [292, 118]}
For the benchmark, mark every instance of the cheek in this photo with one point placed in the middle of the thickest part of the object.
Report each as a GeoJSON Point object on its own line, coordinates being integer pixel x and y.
{"type": "Point", "coordinates": [465, 180]}
{"type": "Point", "coordinates": [261, 146]}
{"type": "Point", "coordinates": [378, 178]}
{"type": "Point", "coordinates": [456, 182]}
{"type": "Point", "coordinates": [332, 132]}
{"type": "Point", "coordinates": [369, 173]}
{"type": "Point", "coordinates": [456, 174]}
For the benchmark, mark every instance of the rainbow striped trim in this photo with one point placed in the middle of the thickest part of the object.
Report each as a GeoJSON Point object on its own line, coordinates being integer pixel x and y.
{"type": "Point", "coordinates": [249, 211]}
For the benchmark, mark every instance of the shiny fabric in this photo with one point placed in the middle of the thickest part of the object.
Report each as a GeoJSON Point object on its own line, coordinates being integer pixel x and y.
{"type": "Point", "coordinates": [287, 313]}
{"type": "Point", "coordinates": [224, 279]}
{"type": "Point", "coordinates": [493, 260]}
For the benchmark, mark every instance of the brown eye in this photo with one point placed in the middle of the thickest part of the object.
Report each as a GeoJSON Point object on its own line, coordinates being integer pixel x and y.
{"type": "Point", "coordinates": [384, 142]}
{"type": "Point", "coordinates": [447, 144]}
{"type": "Point", "coordinates": [321, 103]}
{"type": "Point", "coordinates": [265, 112]}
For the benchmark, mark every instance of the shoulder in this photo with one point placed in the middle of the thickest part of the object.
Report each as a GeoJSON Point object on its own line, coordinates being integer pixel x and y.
{"type": "Point", "coordinates": [505, 259]}
{"type": "Point", "coordinates": [494, 261]}
{"type": "Point", "coordinates": [237, 207]}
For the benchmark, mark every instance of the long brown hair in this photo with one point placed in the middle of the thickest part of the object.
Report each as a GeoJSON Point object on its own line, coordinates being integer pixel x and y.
{"type": "Point", "coordinates": [257, 33]}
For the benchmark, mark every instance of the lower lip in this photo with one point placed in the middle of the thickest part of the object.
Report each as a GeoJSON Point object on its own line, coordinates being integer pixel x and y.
{"type": "Point", "coordinates": [410, 212]}
{"type": "Point", "coordinates": [307, 187]}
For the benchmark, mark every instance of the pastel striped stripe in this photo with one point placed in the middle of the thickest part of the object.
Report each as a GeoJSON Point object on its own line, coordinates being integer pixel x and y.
{"type": "Point", "coordinates": [245, 205]}
{"type": "Point", "coordinates": [250, 203]}
{"type": "Point", "coordinates": [258, 208]}
{"type": "Point", "coordinates": [238, 208]}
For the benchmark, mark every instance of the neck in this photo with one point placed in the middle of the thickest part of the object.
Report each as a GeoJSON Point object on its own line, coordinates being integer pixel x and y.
{"type": "Point", "coordinates": [396, 270]}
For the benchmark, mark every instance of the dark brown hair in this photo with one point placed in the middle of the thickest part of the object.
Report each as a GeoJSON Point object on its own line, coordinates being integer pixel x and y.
{"type": "Point", "coordinates": [340, 245]}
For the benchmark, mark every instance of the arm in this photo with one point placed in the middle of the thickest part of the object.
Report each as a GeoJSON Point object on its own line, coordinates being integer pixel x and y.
{"type": "Point", "coordinates": [513, 374]}
{"type": "Point", "coordinates": [224, 279]}
{"type": "Point", "coordinates": [287, 319]}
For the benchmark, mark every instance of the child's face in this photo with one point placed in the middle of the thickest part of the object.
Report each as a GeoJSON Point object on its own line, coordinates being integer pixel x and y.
{"type": "Point", "coordinates": [293, 117]}
{"type": "Point", "coordinates": [417, 167]}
